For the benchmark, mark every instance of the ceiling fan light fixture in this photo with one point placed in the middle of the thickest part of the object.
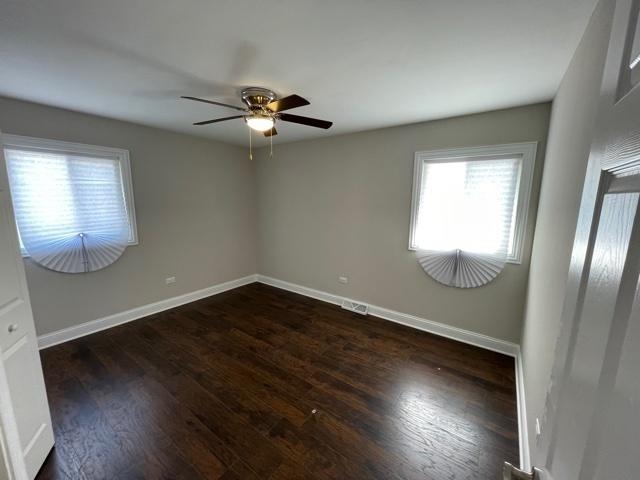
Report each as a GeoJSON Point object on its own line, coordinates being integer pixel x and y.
{"type": "Point", "coordinates": [263, 109]}
{"type": "Point", "coordinates": [260, 123]}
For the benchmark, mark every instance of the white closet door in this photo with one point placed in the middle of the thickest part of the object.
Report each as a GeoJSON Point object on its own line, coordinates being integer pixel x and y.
{"type": "Point", "coordinates": [24, 412]}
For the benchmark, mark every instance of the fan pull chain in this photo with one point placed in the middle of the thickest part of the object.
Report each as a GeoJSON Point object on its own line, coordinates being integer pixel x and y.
{"type": "Point", "coordinates": [271, 143]}
{"type": "Point", "coordinates": [250, 150]}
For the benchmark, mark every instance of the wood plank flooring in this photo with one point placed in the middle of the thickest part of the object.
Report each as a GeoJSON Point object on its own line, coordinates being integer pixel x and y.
{"type": "Point", "coordinates": [260, 383]}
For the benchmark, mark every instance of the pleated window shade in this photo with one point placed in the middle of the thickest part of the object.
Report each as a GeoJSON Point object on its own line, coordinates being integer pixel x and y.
{"type": "Point", "coordinates": [465, 220]}
{"type": "Point", "coordinates": [468, 205]}
{"type": "Point", "coordinates": [71, 208]}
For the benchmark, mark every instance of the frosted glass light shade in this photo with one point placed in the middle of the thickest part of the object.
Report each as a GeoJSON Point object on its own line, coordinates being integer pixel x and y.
{"type": "Point", "coordinates": [260, 123]}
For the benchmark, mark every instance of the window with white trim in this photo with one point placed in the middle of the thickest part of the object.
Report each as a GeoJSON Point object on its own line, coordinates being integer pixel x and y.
{"type": "Point", "coordinates": [472, 199]}
{"type": "Point", "coordinates": [73, 203]}
{"type": "Point", "coordinates": [630, 77]}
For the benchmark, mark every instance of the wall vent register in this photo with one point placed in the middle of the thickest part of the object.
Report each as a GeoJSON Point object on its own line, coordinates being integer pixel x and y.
{"type": "Point", "coordinates": [360, 308]}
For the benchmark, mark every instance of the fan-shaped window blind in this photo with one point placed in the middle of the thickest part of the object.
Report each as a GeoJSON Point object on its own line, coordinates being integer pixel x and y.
{"type": "Point", "coordinates": [468, 214]}
{"type": "Point", "coordinates": [72, 205]}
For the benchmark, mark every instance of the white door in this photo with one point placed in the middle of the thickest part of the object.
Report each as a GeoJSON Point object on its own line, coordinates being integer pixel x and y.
{"type": "Point", "coordinates": [591, 427]}
{"type": "Point", "coordinates": [27, 435]}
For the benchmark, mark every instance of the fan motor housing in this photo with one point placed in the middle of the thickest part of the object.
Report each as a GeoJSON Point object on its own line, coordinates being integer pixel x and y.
{"type": "Point", "coordinates": [257, 98]}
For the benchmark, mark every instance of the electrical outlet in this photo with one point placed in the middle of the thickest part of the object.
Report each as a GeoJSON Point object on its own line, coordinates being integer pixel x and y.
{"type": "Point", "coordinates": [170, 280]}
{"type": "Point", "coordinates": [343, 279]}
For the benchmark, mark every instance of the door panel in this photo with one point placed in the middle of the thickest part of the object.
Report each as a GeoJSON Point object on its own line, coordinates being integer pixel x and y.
{"type": "Point", "coordinates": [12, 304]}
{"type": "Point", "coordinates": [612, 458]}
{"type": "Point", "coordinates": [27, 435]}
{"type": "Point", "coordinates": [582, 386]}
{"type": "Point", "coordinates": [29, 405]}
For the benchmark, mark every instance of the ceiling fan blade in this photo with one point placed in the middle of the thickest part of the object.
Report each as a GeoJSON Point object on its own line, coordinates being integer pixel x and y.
{"type": "Point", "coordinates": [287, 103]}
{"type": "Point", "coordinates": [271, 133]}
{"type": "Point", "coordinates": [207, 122]}
{"type": "Point", "coordinates": [312, 122]}
{"type": "Point", "coordinates": [196, 99]}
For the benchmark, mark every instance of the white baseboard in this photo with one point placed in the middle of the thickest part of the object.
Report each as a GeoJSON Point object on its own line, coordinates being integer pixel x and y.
{"type": "Point", "coordinates": [441, 329]}
{"type": "Point", "coordinates": [93, 326]}
{"type": "Point", "coordinates": [523, 431]}
{"type": "Point", "coordinates": [306, 291]}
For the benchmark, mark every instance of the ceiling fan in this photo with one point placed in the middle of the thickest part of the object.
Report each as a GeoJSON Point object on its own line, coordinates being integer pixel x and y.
{"type": "Point", "coordinates": [263, 108]}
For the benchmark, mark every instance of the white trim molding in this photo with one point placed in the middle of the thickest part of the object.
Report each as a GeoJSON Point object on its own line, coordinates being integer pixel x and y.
{"type": "Point", "coordinates": [295, 288]}
{"type": "Point", "coordinates": [93, 326]}
{"type": "Point", "coordinates": [525, 150]}
{"type": "Point", "coordinates": [523, 430]}
{"type": "Point", "coordinates": [441, 329]}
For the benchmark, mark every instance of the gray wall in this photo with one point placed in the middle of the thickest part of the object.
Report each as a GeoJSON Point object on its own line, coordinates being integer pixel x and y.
{"type": "Point", "coordinates": [341, 206]}
{"type": "Point", "coordinates": [572, 122]}
{"type": "Point", "coordinates": [195, 209]}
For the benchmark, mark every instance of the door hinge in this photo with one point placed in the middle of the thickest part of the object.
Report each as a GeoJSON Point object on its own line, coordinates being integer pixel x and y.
{"type": "Point", "coordinates": [509, 472]}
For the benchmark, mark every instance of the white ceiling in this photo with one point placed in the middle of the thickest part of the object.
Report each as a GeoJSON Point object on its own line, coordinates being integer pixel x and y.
{"type": "Point", "coordinates": [362, 63]}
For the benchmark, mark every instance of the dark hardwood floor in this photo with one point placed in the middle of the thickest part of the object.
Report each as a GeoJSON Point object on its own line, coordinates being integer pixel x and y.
{"type": "Point", "coordinates": [259, 383]}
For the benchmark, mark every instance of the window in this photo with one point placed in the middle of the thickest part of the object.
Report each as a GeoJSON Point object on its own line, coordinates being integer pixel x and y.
{"type": "Point", "coordinates": [64, 191]}
{"type": "Point", "coordinates": [472, 199]}
{"type": "Point", "coordinates": [630, 71]}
